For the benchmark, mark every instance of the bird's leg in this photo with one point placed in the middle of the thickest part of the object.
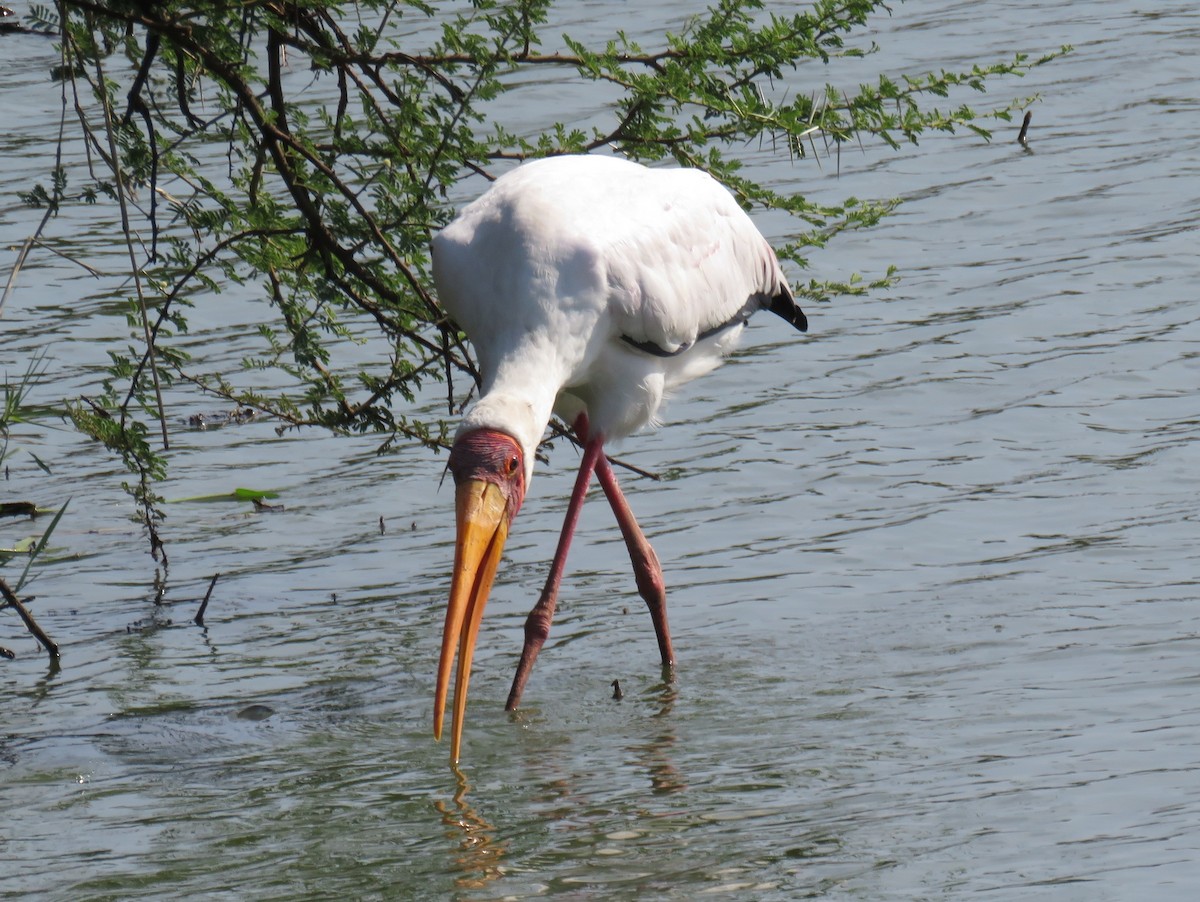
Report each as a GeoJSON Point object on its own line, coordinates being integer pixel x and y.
{"type": "Point", "coordinates": [537, 624]}
{"type": "Point", "coordinates": [646, 568]}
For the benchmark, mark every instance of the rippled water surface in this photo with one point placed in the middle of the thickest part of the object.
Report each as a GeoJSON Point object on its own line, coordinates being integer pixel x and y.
{"type": "Point", "coordinates": [933, 568]}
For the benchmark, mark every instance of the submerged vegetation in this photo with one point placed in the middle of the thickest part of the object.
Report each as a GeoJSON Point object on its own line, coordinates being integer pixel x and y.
{"type": "Point", "coordinates": [313, 148]}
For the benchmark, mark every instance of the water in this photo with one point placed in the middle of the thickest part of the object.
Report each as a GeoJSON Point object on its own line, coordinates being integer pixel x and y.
{"type": "Point", "coordinates": [932, 568]}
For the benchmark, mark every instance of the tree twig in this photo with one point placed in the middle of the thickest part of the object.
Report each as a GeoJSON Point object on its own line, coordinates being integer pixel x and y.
{"type": "Point", "coordinates": [50, 207]}
{"type": "Point", "coordinates": [560, 431]}
{"type": "Point", "coordinates": [11, 600]}
{"type": "Point", "coordinates": [199, 618]}
{"type": "Point", "coordinates": [135, 268]}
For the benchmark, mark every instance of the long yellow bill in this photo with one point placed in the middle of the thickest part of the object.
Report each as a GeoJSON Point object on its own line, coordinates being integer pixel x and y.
{"type": "Point", "coordinates": [482, 515]}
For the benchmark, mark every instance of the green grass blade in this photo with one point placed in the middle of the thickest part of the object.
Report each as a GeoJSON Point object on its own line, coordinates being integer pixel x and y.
{"type": "Point", "coordinates": [41, 544]}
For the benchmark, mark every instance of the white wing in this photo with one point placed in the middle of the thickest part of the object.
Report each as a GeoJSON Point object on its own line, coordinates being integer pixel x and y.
{"type": "Point", "coordinates": [685, 261]}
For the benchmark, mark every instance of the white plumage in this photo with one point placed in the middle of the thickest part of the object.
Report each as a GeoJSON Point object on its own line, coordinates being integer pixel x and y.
{"type": "Point", "coordinates": [590, 287]}
{"type": "Point", "coordinates": [566, 264]}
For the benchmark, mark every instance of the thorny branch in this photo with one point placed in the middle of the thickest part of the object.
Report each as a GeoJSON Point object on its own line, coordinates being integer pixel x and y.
{"type": "Point", "coordinates": [328, 198]}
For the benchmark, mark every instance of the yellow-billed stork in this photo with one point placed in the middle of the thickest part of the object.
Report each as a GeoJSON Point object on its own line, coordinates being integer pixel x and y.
{"type": "Point", "coordinates": [590, 287]}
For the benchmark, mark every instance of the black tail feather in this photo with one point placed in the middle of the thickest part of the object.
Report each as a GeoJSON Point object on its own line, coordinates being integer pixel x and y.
{"type": "Point", "coordinates": [784, 305]}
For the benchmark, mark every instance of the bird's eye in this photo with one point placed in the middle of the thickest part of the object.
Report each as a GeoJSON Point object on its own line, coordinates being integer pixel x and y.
{"type": "Point", "coordinates": [513, 463]}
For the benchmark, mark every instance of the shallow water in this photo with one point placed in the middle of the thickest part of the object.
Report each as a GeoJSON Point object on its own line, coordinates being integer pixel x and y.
{"type": "Point", "coordinates": [932, 568]}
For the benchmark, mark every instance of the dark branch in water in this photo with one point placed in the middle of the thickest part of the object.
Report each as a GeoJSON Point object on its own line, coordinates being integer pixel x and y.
{"type": "Point", "coordinates": [11, 600]}
{"type": "Point", "coordinates": [1025, 127]}
{"type": "Point", "coordinates": [199, 618]}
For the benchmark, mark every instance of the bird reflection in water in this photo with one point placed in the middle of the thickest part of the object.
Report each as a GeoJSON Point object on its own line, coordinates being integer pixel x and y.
{"type": "Point", "coordinates": [480, 852]}
{"type": "Point", "coordinates": [656, 756]}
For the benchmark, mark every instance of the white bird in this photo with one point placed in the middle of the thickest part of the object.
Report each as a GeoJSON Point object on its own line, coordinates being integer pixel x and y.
{"type": "Point", "coordinates": [590, 287]}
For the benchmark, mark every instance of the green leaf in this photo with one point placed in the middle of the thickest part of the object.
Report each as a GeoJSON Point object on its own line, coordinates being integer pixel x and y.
{"type": "Point", "coordinates": [235, 495]}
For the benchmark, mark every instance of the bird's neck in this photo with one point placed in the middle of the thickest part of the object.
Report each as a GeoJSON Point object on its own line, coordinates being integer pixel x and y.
{"type": "Point", "coordinates": [522, 376]}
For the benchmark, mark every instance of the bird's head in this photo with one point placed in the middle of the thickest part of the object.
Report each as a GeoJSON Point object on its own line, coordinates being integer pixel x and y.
{"type": "Point", "coordinates": [489, 476]}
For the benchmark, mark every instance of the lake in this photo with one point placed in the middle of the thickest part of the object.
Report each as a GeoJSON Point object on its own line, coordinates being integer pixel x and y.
{"type": "Point", "coordinates": [933, 568]}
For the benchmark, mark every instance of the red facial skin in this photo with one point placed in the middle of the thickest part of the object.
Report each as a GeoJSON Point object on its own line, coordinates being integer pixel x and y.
{"type": "Point", "coordinates": [491, 456]}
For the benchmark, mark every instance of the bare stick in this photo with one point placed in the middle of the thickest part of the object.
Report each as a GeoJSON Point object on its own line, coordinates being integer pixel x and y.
{"type": "Point", "coordinates": [199, 618]}
{"type": "Point", "coordinates": [11, 598]}
{"type": "Point", "coordinates": [1025, 127]}
{"type": "Point", "coordinates": [50, 208]}
{"type": "Point", "coordinates": [29, 242]}
{"type": "Point", "coordinates": [560, 431]}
